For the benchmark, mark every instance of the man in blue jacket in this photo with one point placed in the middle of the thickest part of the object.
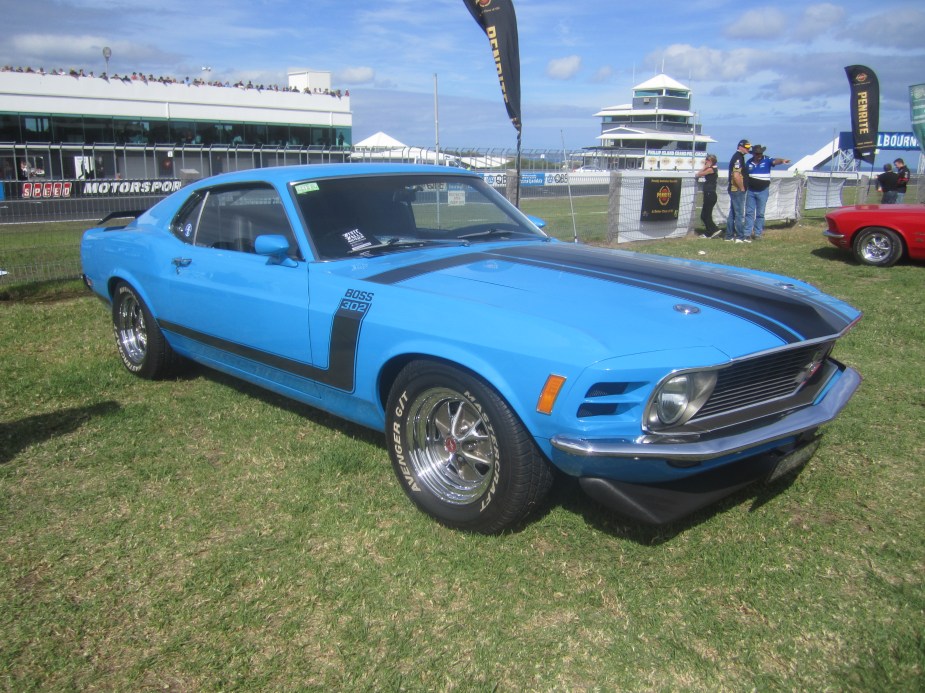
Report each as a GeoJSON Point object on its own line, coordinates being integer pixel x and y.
{"type": "Point", "coordinates": [759, 186]}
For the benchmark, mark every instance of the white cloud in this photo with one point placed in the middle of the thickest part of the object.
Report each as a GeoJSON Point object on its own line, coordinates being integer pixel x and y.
{"type": "Point", "coordinates": [356, 75]}
{"type": "Point", "coordinates": [708, 64]}
{"type": "Point", "coordinates": [763, 22]}
{"type": "Point", "coordinates": [896, 29]}
{"type": "Point", "coordinates": [818, 20]}
{"type": "Point", "coordinates": [602, 75]}
{"type": "Point", "coordinates": [563, 68]}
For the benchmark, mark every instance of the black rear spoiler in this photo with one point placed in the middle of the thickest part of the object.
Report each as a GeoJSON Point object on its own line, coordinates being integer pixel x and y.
{"type": "Point", "coordinates": [134, 214]}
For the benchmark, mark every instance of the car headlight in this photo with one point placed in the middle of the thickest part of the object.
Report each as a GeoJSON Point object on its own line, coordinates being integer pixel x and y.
{"type": "Point", "coordinates": [678, 398]}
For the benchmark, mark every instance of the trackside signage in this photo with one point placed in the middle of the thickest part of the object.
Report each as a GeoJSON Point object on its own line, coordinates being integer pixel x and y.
{"type": "Point", "coordinates": [99, 188]}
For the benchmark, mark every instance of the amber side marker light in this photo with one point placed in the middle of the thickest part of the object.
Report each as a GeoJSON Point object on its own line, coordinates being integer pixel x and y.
{"type": "Point", "coordinates": [551, 390]}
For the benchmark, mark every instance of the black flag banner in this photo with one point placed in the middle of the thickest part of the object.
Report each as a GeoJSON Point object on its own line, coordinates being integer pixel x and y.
{"type": "Point", "coordinates": [498, 21]}
{"type": "Point", "coordinates": [865, 110]}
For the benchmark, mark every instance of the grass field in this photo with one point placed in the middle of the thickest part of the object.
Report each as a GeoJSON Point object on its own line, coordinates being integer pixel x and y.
{"type": "Point", "coordinates": [199, 534]}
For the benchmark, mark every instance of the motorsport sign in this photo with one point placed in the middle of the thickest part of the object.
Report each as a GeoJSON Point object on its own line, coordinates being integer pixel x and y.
{"type": "Point", "coordinates": [865, 110]}
{"type": "Point", "coordinates": [498, 21]}
{"type": "Point", "coordinates": [661, 199]}
{"type": "Point", "coordinates": [104, 188]}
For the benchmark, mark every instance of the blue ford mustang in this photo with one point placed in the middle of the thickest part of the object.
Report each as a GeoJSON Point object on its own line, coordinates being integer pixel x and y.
{"type": "Point", "coordinates": [417, 301]}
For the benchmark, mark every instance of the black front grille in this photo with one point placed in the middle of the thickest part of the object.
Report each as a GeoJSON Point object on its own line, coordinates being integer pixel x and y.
{"type": "Point", "coordinates": [760, 380]}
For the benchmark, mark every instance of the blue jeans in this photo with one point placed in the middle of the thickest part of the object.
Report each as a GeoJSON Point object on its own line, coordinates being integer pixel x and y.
{"type": "Point", "coordinates": [735, 222]}
{"type": "Point", "coordinates": [900, 196]}
{"type": "Point", "coordinates": [755, 204]}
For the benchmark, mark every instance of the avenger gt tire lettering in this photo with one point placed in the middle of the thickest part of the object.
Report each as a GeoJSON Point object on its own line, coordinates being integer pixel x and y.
{"type": "Point", "coordinates": [459, 452]}
{"type": "Point", "coordinates": [140, 342]}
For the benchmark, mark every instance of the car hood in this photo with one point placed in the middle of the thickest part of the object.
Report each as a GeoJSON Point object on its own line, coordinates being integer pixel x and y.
{"type": "Point", "coordinates": [623, 302]}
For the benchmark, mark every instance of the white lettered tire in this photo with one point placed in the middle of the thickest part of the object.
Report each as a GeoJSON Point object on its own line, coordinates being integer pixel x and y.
{"type": "Point", "coordinates": [460, 453]}
{"type": "Point", "coordinates": [142, 346]}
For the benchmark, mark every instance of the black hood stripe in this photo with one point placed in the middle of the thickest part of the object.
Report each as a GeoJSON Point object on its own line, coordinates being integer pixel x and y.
{"type": "Point", "coordinates": [789, 316]}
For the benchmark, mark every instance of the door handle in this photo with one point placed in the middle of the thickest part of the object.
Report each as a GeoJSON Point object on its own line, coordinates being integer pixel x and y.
{"type": "Point", "coordinates": [181, 262]}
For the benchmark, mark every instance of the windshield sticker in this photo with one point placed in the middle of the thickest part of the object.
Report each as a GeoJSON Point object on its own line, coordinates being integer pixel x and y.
{"type": "Point", "coordinates": [356, 240]}
{"type": "Point", "coordinates": [303, 188]}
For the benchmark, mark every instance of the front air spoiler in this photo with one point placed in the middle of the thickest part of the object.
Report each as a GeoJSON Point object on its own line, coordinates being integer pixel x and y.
{"type": "Point", "coordinates": [659, 504]}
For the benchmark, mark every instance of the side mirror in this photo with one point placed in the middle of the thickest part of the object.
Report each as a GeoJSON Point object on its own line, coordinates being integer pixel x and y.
{"type": "Point", "coordinates": [539, 223]}
{"type": "Point", "coordinates": [276, 248]}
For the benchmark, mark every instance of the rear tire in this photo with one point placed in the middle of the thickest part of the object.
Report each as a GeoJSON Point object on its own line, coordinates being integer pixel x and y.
{"type": "Point", "coordinates": [459, 451]}
{"type": "Point", "coordinates": [878, 247]}
{"type": "Point", "coordinates": [140, 342]}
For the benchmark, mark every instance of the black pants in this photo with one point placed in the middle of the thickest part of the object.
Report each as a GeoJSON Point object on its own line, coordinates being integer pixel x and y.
{"type": "Point", "coordinates": [706, 214]}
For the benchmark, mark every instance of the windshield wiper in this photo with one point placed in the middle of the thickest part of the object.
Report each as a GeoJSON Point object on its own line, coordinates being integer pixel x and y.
{"type": "Point", "coordinates": [407, 243]}
{"type": "Point", "coordinates": [493, 232]}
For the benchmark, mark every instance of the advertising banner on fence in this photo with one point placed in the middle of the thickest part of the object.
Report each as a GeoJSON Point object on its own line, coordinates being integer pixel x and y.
{"type": "Point", "coordinates": [917, 111]}
{"type": "Point", "coordinates": [865, 110]}
{"type": "Point", "coordinates": [894, 141]}
{"type": "Point", "coordinates": [98, 188]}
{"type": "Point", "coordinates": [661, 198]}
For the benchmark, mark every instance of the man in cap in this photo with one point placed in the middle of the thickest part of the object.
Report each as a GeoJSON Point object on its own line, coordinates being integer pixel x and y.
{"type": "Point", "coordinates": [759, 186]}
{"type": "Point", "coordinates": [738, 184]}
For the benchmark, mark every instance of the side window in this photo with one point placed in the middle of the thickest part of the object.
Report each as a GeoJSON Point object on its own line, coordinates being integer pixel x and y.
{"type": "Point", "coordinates": [231, 218]}
{"type": "Point", "coordinates": [184, 224]}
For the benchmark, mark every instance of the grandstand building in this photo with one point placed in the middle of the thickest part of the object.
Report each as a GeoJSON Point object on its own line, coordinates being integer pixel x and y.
{"type": "Point", "coordinates": [61, 126]}
{"type": "Point", "coordinates": [656, 132]}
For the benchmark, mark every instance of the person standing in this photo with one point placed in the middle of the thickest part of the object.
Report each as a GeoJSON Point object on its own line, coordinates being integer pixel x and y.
{"type": "Point", "coordinates": [759, 187]}
{"type": "Point", "coordinates": [738, 180]}
{"type": "Point", "coordinates": [903, 174]}
{"type": "Point", "coordinates": [886, 185]}
{"type": "Point", "coordinates": [709, 175]}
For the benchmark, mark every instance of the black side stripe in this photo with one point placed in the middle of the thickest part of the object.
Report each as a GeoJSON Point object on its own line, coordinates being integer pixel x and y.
{"type": "Point", "coordinates": [341, 371]}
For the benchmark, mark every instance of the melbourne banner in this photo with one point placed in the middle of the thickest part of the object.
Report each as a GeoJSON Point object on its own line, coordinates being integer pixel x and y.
{"type": "Point", "coordinates": [865, 110]}
{"type": "Point", "coordinates": [917, 108]}
{"type": "Point", "coordinates": [498, 21]}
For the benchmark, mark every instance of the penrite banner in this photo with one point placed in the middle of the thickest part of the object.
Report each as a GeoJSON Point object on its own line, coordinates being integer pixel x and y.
{"type": "Point", "coordinates": [661, 198]}
{"type": "Point", "coordinates": [917, 111]}
{"type": "Point", "coordinates": [498, 21]}
{"type": "Point", "coordinates": [865, 110]}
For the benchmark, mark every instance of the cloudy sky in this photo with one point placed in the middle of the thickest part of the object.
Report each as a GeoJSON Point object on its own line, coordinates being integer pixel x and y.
{"type": "Point", "coordinates": [772, 72]}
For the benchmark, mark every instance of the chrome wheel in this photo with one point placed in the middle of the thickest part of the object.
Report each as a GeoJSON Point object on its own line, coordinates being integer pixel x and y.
{"type": "Point", "coordinates": [460, 453]}
{"type": "Point", "coordinates": [140, 342]}
{"type": "Point", "coordinates": [131, 330]}
{"type": "Point", "coordinates": [452, 451]}
{"type": "Point", "coordinates": [878, 246]}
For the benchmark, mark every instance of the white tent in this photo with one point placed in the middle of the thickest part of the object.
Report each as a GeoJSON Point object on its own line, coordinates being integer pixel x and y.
{"type": "Point", "coordinates": [383, 147]}
{"type": "Point", "coordinates": [380, 141]}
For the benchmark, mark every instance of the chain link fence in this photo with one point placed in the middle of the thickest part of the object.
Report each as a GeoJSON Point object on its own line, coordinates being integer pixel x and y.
{"type": "Point", "coordinates": [42, 217]}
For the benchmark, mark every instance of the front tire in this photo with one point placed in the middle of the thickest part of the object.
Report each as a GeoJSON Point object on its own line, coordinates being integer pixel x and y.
{"type": "Point", "coordinates": [140, 342]}
{"type": "Point", "coordinates": [460, 453]}
{"type": "Point", "coordinates": [878, 246]}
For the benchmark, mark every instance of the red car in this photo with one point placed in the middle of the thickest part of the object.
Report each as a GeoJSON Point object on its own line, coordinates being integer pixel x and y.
{"type": "Point", "coordinates": [879, 235]}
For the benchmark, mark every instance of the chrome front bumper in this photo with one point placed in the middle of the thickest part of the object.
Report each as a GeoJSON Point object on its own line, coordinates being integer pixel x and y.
{"type": "Point", "coordinates": [687, 454]}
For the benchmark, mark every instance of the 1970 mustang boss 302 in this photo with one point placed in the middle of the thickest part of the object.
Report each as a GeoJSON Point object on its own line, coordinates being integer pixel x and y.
{"type": "Point", "coordinates": [417, 301]}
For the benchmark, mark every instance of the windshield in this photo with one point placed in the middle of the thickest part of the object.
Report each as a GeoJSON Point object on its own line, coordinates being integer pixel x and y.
{"type": "Point", "coordinates": [369, 215]}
